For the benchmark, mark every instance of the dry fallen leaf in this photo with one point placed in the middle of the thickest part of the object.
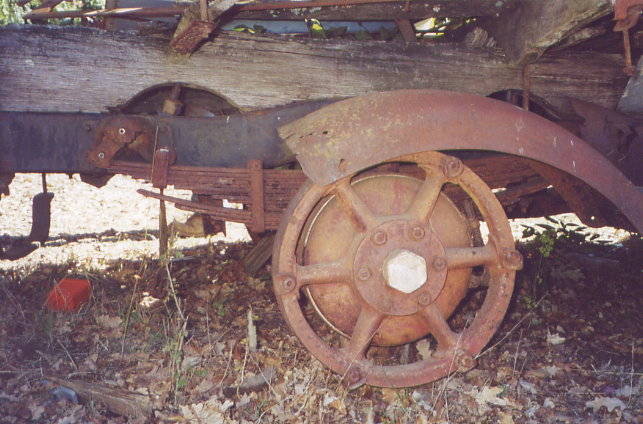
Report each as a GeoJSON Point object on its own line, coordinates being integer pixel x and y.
{"type": "Point", "coordinates": [111, 322]}
{"type": "Point", "coordinates": [488, 396]}
{"type": "Point", "coordinates": [555, 339]}
{"type": "Point", "coordinates": [609, 403]}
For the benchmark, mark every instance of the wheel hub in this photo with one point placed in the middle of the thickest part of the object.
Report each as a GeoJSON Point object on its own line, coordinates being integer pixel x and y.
{"type": "Point", "coordinates": [393, 267]}
{"type": "Point", "coordinates": [331, 237]}
{"type": "Point", "coordinates": [405, 271]}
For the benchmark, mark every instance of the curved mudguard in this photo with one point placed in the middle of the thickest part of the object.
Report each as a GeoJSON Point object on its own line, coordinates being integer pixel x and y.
{"type": "Point", "coordinates": [357, 133]}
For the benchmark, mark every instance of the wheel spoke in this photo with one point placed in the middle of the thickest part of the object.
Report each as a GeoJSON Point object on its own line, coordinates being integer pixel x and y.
{"type": "Point", "coordinates": [440, 329]}
{"type": "Point", "coordinates": [467, 257]}
{"type": "Point", "coordinates": [323, 273]}
{"type": "Point", "coordinates": [368, 322]}
{"type": "Point", "coordinates": [359, 212]}
{"type": "Point", "coordinates": [426, 197]}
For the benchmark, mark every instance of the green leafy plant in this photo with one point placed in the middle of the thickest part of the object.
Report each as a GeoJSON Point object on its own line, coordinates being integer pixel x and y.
{"type": "Point", "coordinates": [547, 253]}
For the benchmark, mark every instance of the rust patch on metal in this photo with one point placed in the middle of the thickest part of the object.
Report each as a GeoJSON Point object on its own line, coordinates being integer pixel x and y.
{"type": "Point", "coordinates": [338, 261]}
{"type": "Point", "coordinates": [117, 132]}
{"type": "Point", "coordinates": [188, 40]}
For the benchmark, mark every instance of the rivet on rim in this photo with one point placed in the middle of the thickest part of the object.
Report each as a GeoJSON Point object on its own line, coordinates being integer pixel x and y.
{"type": "Point", "coordinates": [379, 237]}
{"type": "Point", "coordinates": [288, 283]}
{"type": "Point", "coordinates": [439, 263]}
{"type": "Point", "coordinates": [452, 167]}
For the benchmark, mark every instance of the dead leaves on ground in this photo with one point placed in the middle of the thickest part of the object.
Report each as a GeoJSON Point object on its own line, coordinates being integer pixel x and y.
{"type": "Point", "coordinates": [239, 363]}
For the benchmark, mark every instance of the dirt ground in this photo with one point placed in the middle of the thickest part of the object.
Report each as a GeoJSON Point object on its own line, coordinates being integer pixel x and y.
{"type": "Point", "coordinates": [182, 349]}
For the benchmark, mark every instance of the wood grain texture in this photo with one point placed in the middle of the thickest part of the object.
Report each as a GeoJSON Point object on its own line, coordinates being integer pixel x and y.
{"type": "Point", "coordinates": [532, 26]}
{"type": "Point", "coordinates": [81, 69]}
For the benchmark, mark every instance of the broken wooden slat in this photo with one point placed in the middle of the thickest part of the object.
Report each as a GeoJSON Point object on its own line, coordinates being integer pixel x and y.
{"type": "Point", "coordinates": [527, 30]}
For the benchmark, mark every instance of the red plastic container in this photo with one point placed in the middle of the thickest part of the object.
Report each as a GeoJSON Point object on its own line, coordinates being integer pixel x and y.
{"type": "Point", "coordinates": [68, 295]}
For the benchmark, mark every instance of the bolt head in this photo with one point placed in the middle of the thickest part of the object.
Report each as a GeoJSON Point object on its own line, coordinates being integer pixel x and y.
{"type": "Point", "coordinates": [121, 131]}
{"type": "Point", "coordinates": [512, 259]}
{"type": "Point", "coordinates": [364, 273]}
{"type": "Point", "coordinates": [452, 167]}
{"type": "Point", "coordinates": [379, 237]}
{"type": "Point", "coordinates": [101, 155]}
{"type": "Point", "coordinates": [288, 283]}
{"type": "Point", "coordinates": [405, 271]}
{"type": "Point", "coordinates": [424, 299]}
{"type": "Point", "coordinates": [439, 263]}
{"type": "Point", "coordinates": [417, 233]}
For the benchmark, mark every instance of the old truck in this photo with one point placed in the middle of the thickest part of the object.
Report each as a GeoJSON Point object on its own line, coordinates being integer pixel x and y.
{"type": "Point", "coordinates": [374, 155]}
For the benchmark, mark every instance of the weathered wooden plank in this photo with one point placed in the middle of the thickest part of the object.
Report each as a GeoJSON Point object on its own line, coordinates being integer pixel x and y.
{"type": "Point", "coordinates": [532, 26]}
{"type": "Point", "coordinates": [72, 69]}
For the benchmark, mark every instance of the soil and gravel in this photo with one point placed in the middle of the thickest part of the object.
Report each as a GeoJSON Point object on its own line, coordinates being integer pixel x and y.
{"type": "Point", "coordinates": [177, 343]}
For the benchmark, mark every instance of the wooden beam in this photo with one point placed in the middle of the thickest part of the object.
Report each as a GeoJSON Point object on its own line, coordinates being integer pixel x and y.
{"type": "Point", "coordinates": [83, 69]}
{"type": "Point", "coordinates": [532, 26]}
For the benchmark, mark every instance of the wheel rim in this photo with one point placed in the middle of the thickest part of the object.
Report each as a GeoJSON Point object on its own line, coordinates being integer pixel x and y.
{"type": "Point", "coordinates": [380, 247]}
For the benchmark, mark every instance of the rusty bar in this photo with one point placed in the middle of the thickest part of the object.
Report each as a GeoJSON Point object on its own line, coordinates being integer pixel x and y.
{"type": "Point", "coordinates": [256, 196]}
{"type": "Point", "coordinates": [160, 168]}
{"type": "Point", "coordinates": [309, 4]}
{"type": "Point", "coordinates": [629, 68]}
{"type": "Point", "coordinates": [148, 12]}
{"type": "Point", "coordinates": [158, 12]}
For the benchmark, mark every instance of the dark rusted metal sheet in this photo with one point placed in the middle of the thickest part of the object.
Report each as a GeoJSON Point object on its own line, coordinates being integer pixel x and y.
{"type": "Point", "coordinates": [63, 142]}
{"type": "Point", "coordinates": [360, 132]}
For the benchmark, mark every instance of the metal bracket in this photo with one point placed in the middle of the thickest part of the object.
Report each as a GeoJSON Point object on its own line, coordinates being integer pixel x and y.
{"type": "Point", "coordinates": [115, 133]}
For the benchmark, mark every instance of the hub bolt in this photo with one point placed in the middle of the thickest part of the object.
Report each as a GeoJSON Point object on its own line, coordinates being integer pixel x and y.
{"type": "Point", "coordinates": [417, 233]}
{"type": "Point", "coordinates": [379, 237]}
{"type": "Point", "coordinates": [364, 274]}
{"type": "Point", "coordinates": [121, 131]}
{"type": "Point", "coordinates": [439, 263]}
{"type": "Point", "coordinates": [424, 299]}
{"type": "Point", "coordinates": [452, 167]}
{"type": "Point", "coordinates": [101, 155]}
{"type": "Point", "coordinates": [512, 259]}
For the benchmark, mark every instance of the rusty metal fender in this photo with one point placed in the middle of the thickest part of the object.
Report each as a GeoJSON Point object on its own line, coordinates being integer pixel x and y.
{"type": "Point", "coordinates": [357, 133]}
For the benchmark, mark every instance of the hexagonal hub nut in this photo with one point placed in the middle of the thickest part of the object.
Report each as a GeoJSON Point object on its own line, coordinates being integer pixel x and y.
{"type": "Point", "coordinates": [405, 271]}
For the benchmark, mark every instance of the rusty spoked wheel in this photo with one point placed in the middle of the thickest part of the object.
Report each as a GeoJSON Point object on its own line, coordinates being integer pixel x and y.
{"type": "Point", "coordinates": [385, 258]}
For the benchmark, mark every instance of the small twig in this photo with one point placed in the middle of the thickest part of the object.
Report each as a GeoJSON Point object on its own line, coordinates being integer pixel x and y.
{"type": "Point", "coordinates": [127, 318]}
{"type": "Point", "coordinates": [173, 292]}
{"type": "Point", "coordinates": [243, 368]}
{"type": "Point", "coordinates": [227, 367]}
{"type": "Point", "coordinates": [310, 380]}
{"type": "Point", "coordinates": [513, 371]}
{"type": "Point", "coordinates": [68, 355]}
